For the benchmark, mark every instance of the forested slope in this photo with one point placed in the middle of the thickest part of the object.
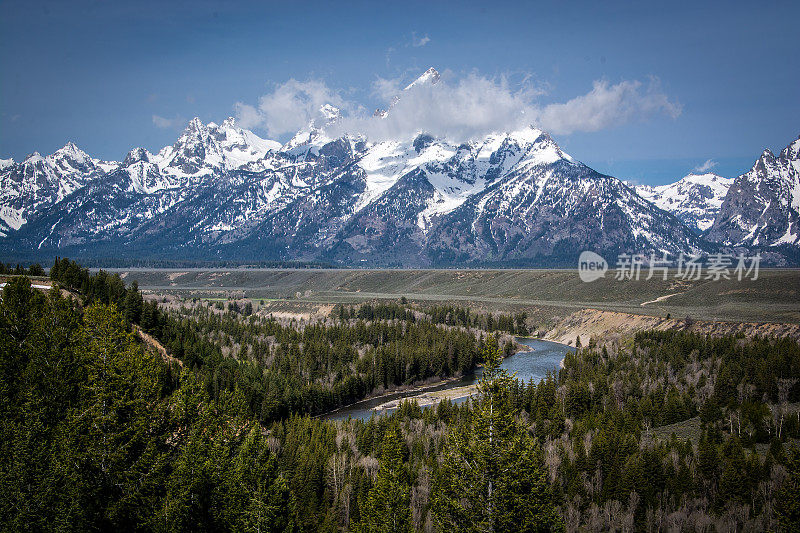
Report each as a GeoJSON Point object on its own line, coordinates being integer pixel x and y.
{"type": "Point", "coordinates": [98, 432]}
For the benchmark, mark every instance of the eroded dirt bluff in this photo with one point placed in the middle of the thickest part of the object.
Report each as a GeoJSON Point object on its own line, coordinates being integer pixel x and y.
{"type": "Point", "coordinates": [610, 326]}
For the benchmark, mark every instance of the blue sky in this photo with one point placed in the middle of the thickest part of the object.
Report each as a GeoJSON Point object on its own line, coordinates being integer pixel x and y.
{"type": "Point", "coordinates": [684, 82]}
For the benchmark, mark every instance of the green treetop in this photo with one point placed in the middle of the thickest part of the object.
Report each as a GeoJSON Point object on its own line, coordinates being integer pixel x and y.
{"type": "Point", "coordinates": [492, 478]}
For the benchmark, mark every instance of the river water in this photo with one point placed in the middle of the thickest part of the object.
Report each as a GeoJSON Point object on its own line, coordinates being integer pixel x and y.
{"type": "Point", "coordinates": [534, 364]}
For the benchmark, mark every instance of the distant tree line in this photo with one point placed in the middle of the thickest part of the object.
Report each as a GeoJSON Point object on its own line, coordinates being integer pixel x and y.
{"type": "Point", "coordinates": [448, 315]}
{"type": "Point", "coordinates": [34, 270]}
{"type": "Point", "coordinates": [122, 263]}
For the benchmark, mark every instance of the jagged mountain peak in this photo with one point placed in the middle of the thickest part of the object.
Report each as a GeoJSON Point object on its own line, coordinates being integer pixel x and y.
{"type": "Point", "coordinates": [767, 155]}
{"type": "Point", "coordinates": [69, 147]}
{"type": "Point", "coordinates": [136, 155]}
{"type": "Point", "coordinates": [429, 77]}
{"type": "Point", "coordinates": [227, 124]}
{"type": "Point", "coordinates": [762, 207]}
{"type": "Point", "coordinates": [68, 158]}
{"type": "Point", "coordinates": [206, 149]}
{"type": "Point", "coordinates": [330, 113]}
{"type": "Point", "coordinates": [73, 153]}
{"type": "Point", "coordinates": [38, 182]}
{"type": "Point", "coordinates": [313, 135]}
{"type": "Point", "coordinates": [233, 137]}
{"type": "Point", "coordinates": [195, 125]}
{"type": "Point", "coordinates": [792, 151]}
{"type": "Point", "coordinates": [536, 138]}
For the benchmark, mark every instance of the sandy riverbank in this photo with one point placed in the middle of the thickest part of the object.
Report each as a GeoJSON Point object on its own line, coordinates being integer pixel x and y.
{"type": "Point", "coordinates": [422, 389]}
{"type": "Point", "coordinates": [427, 399]}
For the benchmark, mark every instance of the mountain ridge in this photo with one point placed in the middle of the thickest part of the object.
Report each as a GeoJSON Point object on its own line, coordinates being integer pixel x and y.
{"type": "Point", "coordinates": [507, 198]}
{"type": "Point", "coordinates": [762, 206]}
{"type": "Point", "coordinates": [695, 199]}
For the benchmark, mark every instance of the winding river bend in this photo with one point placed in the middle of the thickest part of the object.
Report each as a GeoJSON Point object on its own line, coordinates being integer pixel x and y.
{"type": "Point", "coordinates": [542, 357]}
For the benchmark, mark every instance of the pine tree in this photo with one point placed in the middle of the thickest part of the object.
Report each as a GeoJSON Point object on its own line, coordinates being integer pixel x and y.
{"type": "Point", "coordinates": [787, 503]}
{"type": "Point", "coordinates": [387, 506]}
{"type": "Point", "coordinates": [115, 435]}
{"type": "Point", "coordinates": [708, 460]}
{"type": "Point", "coordinates": [39, 377]}
{"type": "Point", "coordinates": [492, 477]}
{"type": "Point", "coordinates": [255, 497]}
{"type": "Point", "coordinates": [133, 304]}
{"type": "Point", "coordinates": [36, 270]}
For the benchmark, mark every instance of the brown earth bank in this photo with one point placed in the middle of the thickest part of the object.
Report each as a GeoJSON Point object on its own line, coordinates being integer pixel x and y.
{"type": "Point", "coordinates": [610, 326]}
{"type": "Point", "coordinates": [156, 346]}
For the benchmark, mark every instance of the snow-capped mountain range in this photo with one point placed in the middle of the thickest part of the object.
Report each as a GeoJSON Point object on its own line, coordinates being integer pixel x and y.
{"type": "Point", "coordinates": [33, 185]}
{"type": "Point", "coordinates": [510, 198]}
{"type": "Point", "coordinates": [695, 199]}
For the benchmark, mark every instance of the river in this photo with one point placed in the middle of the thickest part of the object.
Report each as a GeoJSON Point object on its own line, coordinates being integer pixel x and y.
{"type": "Point", "coordinates": [534, 364]}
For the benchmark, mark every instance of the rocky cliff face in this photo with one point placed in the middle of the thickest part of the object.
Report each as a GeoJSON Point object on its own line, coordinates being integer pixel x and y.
{"type": "Point", "coordinates": [762, 207]}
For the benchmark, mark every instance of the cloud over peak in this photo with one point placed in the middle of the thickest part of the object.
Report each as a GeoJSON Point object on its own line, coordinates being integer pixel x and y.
{"type": "Point", "coordinates": [456, 107]}
{"type": "Point", "coordinates": [705, 167]}
{"type": "Point", "coordinates": [289, 107]}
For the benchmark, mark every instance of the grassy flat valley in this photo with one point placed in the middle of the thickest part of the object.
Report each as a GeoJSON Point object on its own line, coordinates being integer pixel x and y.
{"type": "Point", "coordinates": [773, 297]}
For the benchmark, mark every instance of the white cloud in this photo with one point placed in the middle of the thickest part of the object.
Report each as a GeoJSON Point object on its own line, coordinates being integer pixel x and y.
{"type": "Point", "coordinates": [175, 123]}
{"type": "Point", "coordinates": [387, 89]}
{"type": "Point", "coordinates": [462, 109]}
{"type": "Point", "coordinates": [419, 41]}
{"type": "Point", "coordinates": [705, 167]}
{"type": "Point", "coordinates": [290, 107]}
{"type": "Point", "coordinates": [606, 106]}
{"type": "Point", "coordinates": [458, 108]}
